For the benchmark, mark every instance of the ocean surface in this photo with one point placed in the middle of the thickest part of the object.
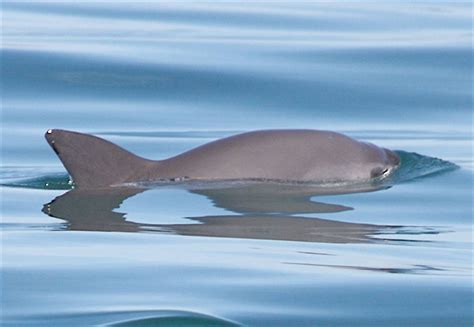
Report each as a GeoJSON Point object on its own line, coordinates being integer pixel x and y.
{"type": "Point", "coordinates": [159, 78]}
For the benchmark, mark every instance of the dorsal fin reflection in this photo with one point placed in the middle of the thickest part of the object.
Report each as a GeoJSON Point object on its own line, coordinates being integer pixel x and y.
{"type": "Point", "coordinates": [92, 210]}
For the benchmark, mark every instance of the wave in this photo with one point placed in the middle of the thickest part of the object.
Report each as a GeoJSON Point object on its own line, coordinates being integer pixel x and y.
{"type": "Point", "coordinates": [140, 318]}
{"type": "Point", "coordinates": [57, 181]}
{"type": "Point", "coordinates": [174, 318]}
{"type": "Point", "coordinates": [415, 166]}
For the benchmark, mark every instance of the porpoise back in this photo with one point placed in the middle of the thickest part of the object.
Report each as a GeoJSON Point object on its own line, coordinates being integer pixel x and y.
{"type": "Point", "coordinates": [283, 155]}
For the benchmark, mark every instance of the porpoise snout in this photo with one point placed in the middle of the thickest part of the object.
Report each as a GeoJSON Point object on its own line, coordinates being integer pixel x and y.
{"type": "Point", "coordinates": [392, 161]}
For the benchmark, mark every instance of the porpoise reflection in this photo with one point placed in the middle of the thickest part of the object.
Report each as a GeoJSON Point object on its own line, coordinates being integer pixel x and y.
{"type": "Point", "coordinates": [264, 211]}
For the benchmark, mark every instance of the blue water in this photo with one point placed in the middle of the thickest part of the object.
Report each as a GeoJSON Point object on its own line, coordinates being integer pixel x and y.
{"type": "Point", "coordinates": [159, 78]}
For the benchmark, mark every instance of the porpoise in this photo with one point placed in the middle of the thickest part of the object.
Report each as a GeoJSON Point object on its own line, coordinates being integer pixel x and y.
{"type": "Point", "coordinates": [281, 155]}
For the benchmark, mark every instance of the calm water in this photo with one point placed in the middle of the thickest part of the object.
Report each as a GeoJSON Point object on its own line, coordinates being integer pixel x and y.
{"type": "Point", "coordinates": [161, 78]}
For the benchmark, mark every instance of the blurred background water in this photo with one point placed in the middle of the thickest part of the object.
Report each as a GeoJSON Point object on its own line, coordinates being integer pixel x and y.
{"type": "Point", "coordinates": [162, 77]}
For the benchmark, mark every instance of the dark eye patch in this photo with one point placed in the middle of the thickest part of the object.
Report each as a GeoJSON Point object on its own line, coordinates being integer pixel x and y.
{"type": "Point", "coordinates": [377, 172]}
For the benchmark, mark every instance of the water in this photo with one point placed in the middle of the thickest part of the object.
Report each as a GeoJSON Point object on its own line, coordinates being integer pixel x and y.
{"type": "Point", "coordinates": [161, 78]}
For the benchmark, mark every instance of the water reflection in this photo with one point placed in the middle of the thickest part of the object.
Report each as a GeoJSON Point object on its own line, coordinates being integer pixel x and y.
{"type": "Point", "coordinates": [263, 211]}
{"type": "Point", "coordinates": [414, 269]}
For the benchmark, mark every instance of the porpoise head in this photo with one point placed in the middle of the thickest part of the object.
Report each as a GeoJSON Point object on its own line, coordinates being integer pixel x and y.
{"type": "Point", "coordinates": [387, 161]}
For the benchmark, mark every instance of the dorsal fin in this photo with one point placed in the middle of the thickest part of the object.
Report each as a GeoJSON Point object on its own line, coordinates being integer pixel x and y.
{"type": "Point", "coordinates": [93, 162]}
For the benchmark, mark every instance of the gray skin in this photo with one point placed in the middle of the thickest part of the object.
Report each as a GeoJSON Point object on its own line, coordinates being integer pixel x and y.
{"type": "Point", "coordinates": [283, 155]}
